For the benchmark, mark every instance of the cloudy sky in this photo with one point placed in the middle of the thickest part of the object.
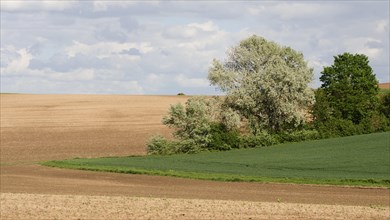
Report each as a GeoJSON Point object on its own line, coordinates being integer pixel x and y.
{"type": "Point", "coordinates": [166, 47]}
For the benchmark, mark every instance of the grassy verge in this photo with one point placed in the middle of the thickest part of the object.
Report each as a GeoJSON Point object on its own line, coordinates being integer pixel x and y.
{"type": "Point", "coordinates": [358, 160]}
{"type": "Point", "coordinates": [384, 91]}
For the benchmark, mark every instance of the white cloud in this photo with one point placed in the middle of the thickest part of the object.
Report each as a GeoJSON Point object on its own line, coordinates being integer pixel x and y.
{"type": "Point", "coordinates": [207, 26]}
{"type": "Point", "coordinates": [107, 49]}
{"type": "Point", "coordinates": [100, 5]}
{"type": "Point", "coordinates": [146, 45]}
{"type": "Point", "coordinates": [317, 63]}
{"type": "Point", "coordinates": [155, 78]}
{"type": "Point", "coordinates": [382, 26]}
{"type": "Point", "coordinates": [105, 5]}
{"type": "Point", "coordinates": [191, 30]}
{"type": "Point", "coordinates": [45, 85]}
{"type": "Point", "coordinates": [360, 45]}
{"type": "Point", "coordinates": [186, 82]}
{"type": "Point", "coordinates": [256, 10]}
{"type": "Point", "coordinates": [290, 10]}
{"type": "Point", "coordinates": [129, 87]}
{"type": "Point", "coordinates": [75, 75]}
{"type": "Point", "coordinates": [17, 65]}
{"type": "Point", "coordinates": [43, 5]}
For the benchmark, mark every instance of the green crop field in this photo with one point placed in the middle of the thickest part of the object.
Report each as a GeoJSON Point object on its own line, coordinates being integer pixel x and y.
{"type": "Point", "coordinates": [356, 160]}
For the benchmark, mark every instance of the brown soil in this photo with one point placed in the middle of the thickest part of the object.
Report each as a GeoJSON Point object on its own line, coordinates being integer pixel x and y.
{"type": "Point", "coordinates": [32, 206]}
{"type": "Point", "coordinates": [46, 127]}
{"type": "Point", "coordinates": [384, 85]}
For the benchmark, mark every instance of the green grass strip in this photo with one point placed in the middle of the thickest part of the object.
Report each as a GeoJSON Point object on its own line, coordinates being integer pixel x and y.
{"type": "Point", "coordinates": [354, 161]}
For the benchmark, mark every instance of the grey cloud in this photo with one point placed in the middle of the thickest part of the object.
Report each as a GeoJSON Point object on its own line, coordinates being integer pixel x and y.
{"type": "Point", "coordinates": [131, 51]}
{"type": "Point", "coordinates": [204, 9]}
{"type": "Point", "coordinates": [37, 64]}
{"type": "Point", "coordinates": [171, 52]}
{"type": "Point", "coordinates": [62, 63]}
{"type": "Point", "coordinates": [7, 55]}
{"type": "Point", "coordinates": [43, 85]}
{"type": "Point", "coordinates": [62, 20]}
{"type": "Point", "coordinates": [374, 44]}
{"type": "Point", "coordinates": [108, 34]}
{"type": "Point", "coordinates": [128, 23]}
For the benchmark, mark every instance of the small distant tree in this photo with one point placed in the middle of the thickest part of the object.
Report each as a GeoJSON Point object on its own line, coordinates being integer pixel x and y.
{"type": "Point", "coordinates": [349, 89]}
{"type": "Point", "coordinates": [266, 83]}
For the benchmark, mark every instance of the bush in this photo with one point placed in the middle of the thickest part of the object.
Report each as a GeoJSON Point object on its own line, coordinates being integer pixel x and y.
{"type": "Point", "coordinates": [298, 136]}
{"type": "Point", "coordinates": [222, 138]}
{"type": "Point", "coordinates": [260, 140]}
{"type": "Point", "coordinates": [180, 93]}
{"type": "Point", "coordinates": [385, 104]}
{"type": "Point", "coordinates": [339, 128]}
{"type": "Point", "coordinates": [376, 123]}
{"type": "Point", "coordinates": [160, 145]}
{"type": "Point", "coordinates": [187, 146]}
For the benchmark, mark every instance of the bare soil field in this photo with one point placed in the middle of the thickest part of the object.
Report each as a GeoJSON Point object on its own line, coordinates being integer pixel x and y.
{"type": "Point", "coordinates": [34, 206]}
{"type": "Point", "coordinates": [45, 127]}
{"type": "Point", "coordinates": [384, 85]}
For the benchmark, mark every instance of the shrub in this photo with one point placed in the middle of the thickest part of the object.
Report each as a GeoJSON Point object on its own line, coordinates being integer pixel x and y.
{"type": "Point", "coordinates": [376, 123]}
{"type": "Point", "coordinates": [180, 93]}
{"type": "Point", "coordinates": [187, 146]}
{"type": "Point", "coordinates": [160, 145]}
{"type": "Point", "coordinates": [385, 104]}
{"type": "Point", "coordinates": [262, 139]}
{"type": "Point", "coordinates": [339, 128]}
{"type": "Point", "coordinates": [222, 138]}
{"type": "Point", "coordinates": [203, 123]}
{"type": "Point", "coordinates": [298, 136]}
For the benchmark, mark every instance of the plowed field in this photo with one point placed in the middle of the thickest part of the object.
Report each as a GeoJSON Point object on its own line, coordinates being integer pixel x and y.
{"type": "Point", "coordinates": [45, 127]}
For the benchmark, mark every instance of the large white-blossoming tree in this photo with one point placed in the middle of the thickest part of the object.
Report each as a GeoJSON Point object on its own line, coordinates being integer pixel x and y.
{"type": "Point", "coordinates": [266, 83]}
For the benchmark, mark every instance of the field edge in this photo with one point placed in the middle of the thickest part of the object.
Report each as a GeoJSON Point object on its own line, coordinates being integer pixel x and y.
{"type": "Point", "coordinates": [366, 183]}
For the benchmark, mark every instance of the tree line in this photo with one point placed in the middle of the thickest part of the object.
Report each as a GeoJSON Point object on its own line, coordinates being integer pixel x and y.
{"type": "Point", "coordinates": [268, 101]}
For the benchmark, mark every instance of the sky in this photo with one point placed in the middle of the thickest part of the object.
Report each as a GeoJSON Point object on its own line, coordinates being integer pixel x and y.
{"type": "Point", "coordinates": [166, 47]}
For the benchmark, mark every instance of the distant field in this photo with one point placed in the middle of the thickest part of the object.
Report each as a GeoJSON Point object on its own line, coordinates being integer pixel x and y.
{"type": "Point", "coordinates": [356, 160]}
{"type": "Point", "coordinates": [54, 127]}
{"type": "Point", "coordinates": [385, 86]}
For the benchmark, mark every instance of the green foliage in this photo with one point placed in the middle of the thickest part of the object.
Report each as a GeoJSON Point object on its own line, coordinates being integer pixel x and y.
{"type": "Point", "coordinates": [160, 145]}
{"type": "Point", "coordinates": [338, 128]}
{"type": "Point", "coordinates": [321, 110]}
{"type": "Point", "coordinates": [262, 139]}
{"type": "Point", "coordinates": [219, 138]}
{"type": "Point", "coordinates": [376, 123]}
{"type": "Point", "coordinates": [347, 102]}
{"type": "Point", "coordinates": [298, 136]}
{"type": "Point", "coordinates": [266, 83]}
{"type": "Point", "coordinates": [265, 139]}
{"type": "Point", "coordinates": [267, 94]}
{"type": "Point", "coordinates": [349, 87]}
{"type": "Point", "coordinates": [191, 121]}
{"type": "Point", "coordinates": [180, 94]}
{"type": "Point", "coordinates": [187, 146]}
{"type": "Point", "coordinates": [201, 124]}
{"type": "Point", "coordinates": [222, 138]}
{"type": "Point", "coordinates": [355, 160]}
{"type": "Point", "coordinates": [385, 105]}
